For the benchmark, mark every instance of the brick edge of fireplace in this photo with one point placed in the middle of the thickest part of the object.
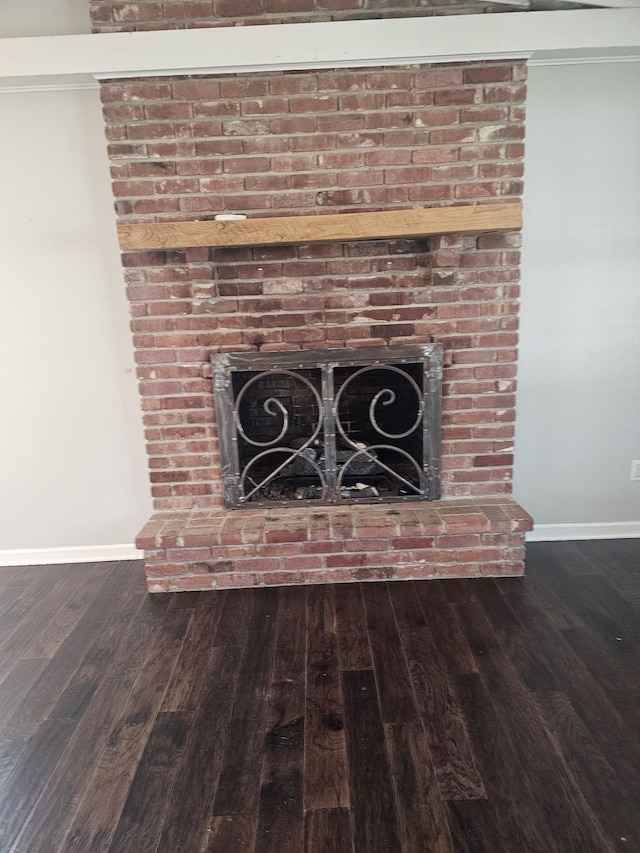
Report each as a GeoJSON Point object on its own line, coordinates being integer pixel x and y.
{"type": "Point", "coordinates": [218, 549]}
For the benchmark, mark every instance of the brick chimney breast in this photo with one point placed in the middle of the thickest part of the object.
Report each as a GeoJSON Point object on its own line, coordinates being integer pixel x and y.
{"type": "Point", "coordinates": [318, 142]}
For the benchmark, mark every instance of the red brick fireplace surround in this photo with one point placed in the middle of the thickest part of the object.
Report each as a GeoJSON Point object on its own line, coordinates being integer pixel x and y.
{"type": "Point", "coordinates": [317, 142]}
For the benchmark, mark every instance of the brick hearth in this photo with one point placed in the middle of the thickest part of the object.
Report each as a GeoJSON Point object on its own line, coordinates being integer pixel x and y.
{"type": "Point", "coordinates": [317, 142]}
{"type": "Point", "coordinates": [215, 549]}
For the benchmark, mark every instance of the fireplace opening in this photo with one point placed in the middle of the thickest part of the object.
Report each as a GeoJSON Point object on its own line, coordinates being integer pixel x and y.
{"type": "Point", "coordinates": [329, 426]}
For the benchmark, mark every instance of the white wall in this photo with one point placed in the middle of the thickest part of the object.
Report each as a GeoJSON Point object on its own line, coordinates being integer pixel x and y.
{"type": "Point", "coordinates": [49, 18]}
{"type": "Point", "coordinates": [72, 465]}
{"type": "Point", "coordinates": [578, 413]}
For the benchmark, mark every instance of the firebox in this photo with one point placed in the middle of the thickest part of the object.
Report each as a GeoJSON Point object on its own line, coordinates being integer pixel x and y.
{"type": "Point", "coordinates": [329, 426]}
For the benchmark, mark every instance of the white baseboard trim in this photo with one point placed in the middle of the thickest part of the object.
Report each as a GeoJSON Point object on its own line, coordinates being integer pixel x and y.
{"type": "Point", "coordinates": [82, 554]}
{"type": "Point", "coordinates": [103, 553]}
{"type": "Point", "coordinates": [586, 530]}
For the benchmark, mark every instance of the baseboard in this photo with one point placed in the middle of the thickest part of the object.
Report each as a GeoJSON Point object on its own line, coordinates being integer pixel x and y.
{"type": "Point", "coordinates": [102, 553]}
{"type": "Point", "coordinates": [586, 530]}
{"type": "Point", "coordinates": [82, 554]}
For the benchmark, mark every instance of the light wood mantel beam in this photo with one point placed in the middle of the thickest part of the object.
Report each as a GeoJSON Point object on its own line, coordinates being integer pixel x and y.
{"type": "Point", "coordinates": [337, 227]}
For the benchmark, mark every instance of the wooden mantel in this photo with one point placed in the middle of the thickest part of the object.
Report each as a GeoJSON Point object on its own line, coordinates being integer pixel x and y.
{"type": "Point", "coordinates": [340, 227]}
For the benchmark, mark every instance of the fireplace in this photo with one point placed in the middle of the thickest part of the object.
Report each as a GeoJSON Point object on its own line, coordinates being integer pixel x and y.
{"type": "Point", "coordinates": [329, 426]}
{"type": "Point", "coordinates": [307, 144]}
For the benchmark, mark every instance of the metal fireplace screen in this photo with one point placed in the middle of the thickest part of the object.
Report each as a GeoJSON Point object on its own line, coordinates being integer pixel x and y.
{"type": "Point", "coordinates": [329, 426]}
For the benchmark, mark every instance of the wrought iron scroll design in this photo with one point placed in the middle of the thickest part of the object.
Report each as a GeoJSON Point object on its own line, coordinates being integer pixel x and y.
{"type": "Point", "coordinates": [273, 407]}
{"type": "Point", "coordinates": [384, 397]}
{"type": "Point", "coordinates": [392, 393]}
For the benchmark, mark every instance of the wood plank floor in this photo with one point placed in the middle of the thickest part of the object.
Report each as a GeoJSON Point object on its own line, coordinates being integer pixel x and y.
{"type": "Point", "coordinates": [480, 716]}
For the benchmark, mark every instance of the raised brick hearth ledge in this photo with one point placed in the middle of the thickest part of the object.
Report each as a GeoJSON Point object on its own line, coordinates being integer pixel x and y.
{"type": "Point", "coordinates": [219, 549]}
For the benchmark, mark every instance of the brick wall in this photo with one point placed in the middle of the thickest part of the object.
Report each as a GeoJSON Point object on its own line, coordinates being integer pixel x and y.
{"type": "Point", "coordinates": [117, 16]}
{"type": "Point", "coordinates": [321, 142]}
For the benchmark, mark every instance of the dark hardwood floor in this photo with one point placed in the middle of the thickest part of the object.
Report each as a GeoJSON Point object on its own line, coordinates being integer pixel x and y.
{"type": "Point", "coordinates": [477, 716]}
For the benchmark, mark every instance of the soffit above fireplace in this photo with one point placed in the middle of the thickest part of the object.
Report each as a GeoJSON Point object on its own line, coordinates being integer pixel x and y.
{"type": "Point", "coordinates": [77, 60]}
{"type": "Point", "coordinates": [345, 227]}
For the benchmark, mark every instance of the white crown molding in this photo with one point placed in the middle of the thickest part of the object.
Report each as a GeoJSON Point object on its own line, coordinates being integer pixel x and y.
{"type": "Point", "coordinates": [79, 85]}
{"type": "Point", "coordinates": [365, 62]}
{"type": "Point", "coordinates": [341, 44]}
{"type": "Point", "coordinates": [543, 58]}
{"type": "Point", "coordinates": [55, 556]}
{"type": "Point", "coordinates": [607, 4]}
{"type": "Point", "coordinates": [71, 85]}
{"type": "Point", "coordinates": [585, 530]}
{"type": "Point", "coordinates": [583, 60]}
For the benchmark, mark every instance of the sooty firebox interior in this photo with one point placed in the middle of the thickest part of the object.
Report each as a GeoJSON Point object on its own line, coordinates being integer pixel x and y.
{"type": "Point", "coordinates": [329, 426]}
